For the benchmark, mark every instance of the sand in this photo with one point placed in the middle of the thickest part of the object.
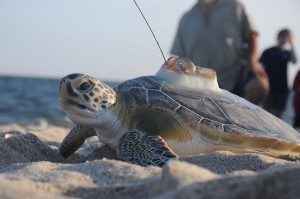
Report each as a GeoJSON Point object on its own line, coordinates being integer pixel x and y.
{"type": "Point", "coordinates": [30, 167]}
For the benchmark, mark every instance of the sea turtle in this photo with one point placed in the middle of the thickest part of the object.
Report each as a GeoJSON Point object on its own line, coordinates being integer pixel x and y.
{"type": "Point", "coordinates": [180, 111]}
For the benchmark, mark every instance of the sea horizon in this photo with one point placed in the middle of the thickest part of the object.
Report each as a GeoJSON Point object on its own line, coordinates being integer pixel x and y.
{"type": "Point", "coordinates": [26, 100]}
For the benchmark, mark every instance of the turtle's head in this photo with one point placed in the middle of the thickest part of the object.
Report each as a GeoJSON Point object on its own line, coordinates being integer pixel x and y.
{"type": "Point", "coordinates": [85, 99]}
{"type": "Point", "coordinates": [183, 72]}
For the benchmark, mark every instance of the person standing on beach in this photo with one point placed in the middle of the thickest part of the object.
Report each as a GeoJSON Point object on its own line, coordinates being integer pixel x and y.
{"type": "Point", "coordinates": [220, 35]}
{"type": "Point", "coordinates": [275, 61]}
{"type": "Point", "coordinates": [296, 101]}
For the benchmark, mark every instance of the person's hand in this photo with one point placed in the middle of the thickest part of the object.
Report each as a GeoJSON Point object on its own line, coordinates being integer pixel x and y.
{"type": "Point", "coordinates": [257, 89]}
{"type": "Point", "coordinates": [259, 71]}
{"type": "Point", "coordinates": [262, 77]}
{"type": "Point", "coordinates": [289, 39]}
{"type": "Point", "coordinates": [256, 69]}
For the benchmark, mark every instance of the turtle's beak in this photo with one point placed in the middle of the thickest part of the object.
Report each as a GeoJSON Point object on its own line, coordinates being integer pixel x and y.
{"type": "Point", "coordinates": [73, 108]}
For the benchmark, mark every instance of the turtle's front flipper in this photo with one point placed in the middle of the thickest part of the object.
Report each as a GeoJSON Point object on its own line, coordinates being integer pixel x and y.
{"type": "Point", "coordinates": [75, 139]}
{"type": "Point", "coordinates": [144, 149]}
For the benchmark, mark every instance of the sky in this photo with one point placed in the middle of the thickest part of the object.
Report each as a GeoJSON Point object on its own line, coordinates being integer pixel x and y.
{"type": "Point", "coordinates": [109, 39]}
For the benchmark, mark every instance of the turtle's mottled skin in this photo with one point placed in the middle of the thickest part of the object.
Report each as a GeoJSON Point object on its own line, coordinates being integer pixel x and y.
{"type": "Point", "coordinates": [179, 111]}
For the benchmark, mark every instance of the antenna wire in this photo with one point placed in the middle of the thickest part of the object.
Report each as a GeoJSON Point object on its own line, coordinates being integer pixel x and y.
{"type": "Point", "coordinates": [151, 31]}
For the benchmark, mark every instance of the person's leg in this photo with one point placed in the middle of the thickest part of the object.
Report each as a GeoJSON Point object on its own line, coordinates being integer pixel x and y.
{"type": "Point", "coordinates": [269, 104]}
{"type": "Point", "coordinates": [281, 103]}
{"type": "Point", "coordinates": [296, 123]}
{"type": "Point", "coordinates": [276, 103]}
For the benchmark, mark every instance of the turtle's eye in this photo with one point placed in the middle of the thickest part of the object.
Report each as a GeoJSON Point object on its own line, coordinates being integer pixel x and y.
{"type": "Point", "coordinates": [84, 86]}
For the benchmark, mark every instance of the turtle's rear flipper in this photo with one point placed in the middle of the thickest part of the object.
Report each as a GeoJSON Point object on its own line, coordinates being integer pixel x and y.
{"type": "Point", "coordinates": [144, 149]}
{"type": "Point", "coordinates": [75, 139]}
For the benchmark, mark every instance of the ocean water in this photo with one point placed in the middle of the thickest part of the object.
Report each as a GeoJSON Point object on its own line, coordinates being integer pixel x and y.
{"type": "Point", "coordinates": [26, 101]}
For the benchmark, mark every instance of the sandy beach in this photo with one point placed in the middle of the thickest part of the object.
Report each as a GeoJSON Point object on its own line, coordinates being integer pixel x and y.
{"type": "Point", "coordinates": [30, 167]}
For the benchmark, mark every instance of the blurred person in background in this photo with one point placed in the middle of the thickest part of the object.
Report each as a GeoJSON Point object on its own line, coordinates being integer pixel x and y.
{"type": "Point", "coordinates": [275, 61]}
{"type": "Point", "coordinates": [296, 101]}
{"type": "Point", "coordinates": [219, 34]}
